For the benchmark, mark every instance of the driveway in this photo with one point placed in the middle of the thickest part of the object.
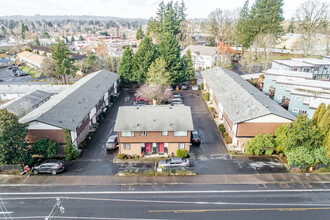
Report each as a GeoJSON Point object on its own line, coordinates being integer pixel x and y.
{"type": "Point", "coordinates": [95, 160]}
{"type": "Point", "coordinates": [212, 156]}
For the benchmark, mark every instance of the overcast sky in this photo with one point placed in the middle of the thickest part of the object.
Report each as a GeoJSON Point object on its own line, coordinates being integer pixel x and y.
{"type": "Point", "coordinates": [122, 8]}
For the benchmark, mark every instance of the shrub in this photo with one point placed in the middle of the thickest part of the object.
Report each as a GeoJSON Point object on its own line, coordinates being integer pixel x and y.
{"type": "Point", "coordinates": [83, 144]}
{"type": "Point", "coordinates": [137, 157]}
{"type": "Point", "coordinates": [269, 151]}
{"type": "Point", "coordinates": [207, 96]}
{"type": "Point", "coordinates": [121, 156]}
{"type": "Point", "coordinates": [222, 128]}
{"type": "Point", "coordinates": [202, 86]}
{"type": "Point", "coordinates": [224, 134]}
{"type": "Point", "coordinates": [182, 153]}
{"type": "Point", "coordinates": [178, 153]}
{"type": "Point", "coordinates": [260, 143]}
{"type": "Point", "coordinates": [262, 76]}
{"type": "Point", "coordinates": [70, 152]}
{"type": "Point", "coordinates": [227, 139]}
{"type": "Point", "coordinates": [44, 147]}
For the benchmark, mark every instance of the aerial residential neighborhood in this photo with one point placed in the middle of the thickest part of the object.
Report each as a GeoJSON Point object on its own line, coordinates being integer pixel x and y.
{"type": "Point", "coordinates": [165, 109]}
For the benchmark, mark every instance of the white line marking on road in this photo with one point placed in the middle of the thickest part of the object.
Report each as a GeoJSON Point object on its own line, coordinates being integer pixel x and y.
{"type": "Point", "coordinates": [72, 217]}
{"type": "Point", "coordinates": [170, 202]}
{"type": "Point", "coordinates": [166, 192]}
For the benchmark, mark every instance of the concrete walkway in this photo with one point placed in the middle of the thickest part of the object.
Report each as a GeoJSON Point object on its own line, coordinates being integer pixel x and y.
{"type": "Point", "coordinates": [48, 180]}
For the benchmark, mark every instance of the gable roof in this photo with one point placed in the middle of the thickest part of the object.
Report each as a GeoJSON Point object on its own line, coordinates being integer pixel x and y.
{"type": "Point", "coordinates": [68, 108]}
{"type": "Point", "coordinates": [201, 50]}
{"type": "Point", "coordinates": [154, 118]}
{"type": "Point", "coordinates": [241, 100]}
{"type": "Point", "coordinates": [31, 56]}
{"type": "Point", "coordinates": [293, 63]}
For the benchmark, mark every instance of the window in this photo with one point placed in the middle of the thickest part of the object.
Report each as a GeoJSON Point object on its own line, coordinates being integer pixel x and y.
{"type": "Point", "coordinates": [282, 86]}
{"type": "Point", "coordinates": [295, 110]}
{"type": "Point", "coordinates": [127, 133]}
{"type": "Point", "coordinates": [303, 112]}
{"type": "Point", "coordinates": [180, 133]}
{"type": "Point", "coordinates": [143, 133]}
{"type": "Point", "coordinates": [306, 99]}
{"type": "Point", "coordinates": [127, 146]}
{"type": "Point", "coordinates": [298, 98]}
{"type": "Point", "coordinates": [164, 133]}
{"type": "Point", "coordinates": [181, 145]}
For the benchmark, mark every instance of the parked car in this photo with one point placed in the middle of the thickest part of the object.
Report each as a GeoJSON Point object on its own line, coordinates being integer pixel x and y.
{"type": "Point", "coordinates": [175, 95]}
{"type": "Point", "coordinates": [194, 87]}
{"type": "Point", "coordinates": [14, 70]}
{"type": "Point", "coordinates": [184, 87]}
{"type": "Point", "coordinates": [112, 143]}
{"type": "Point", "coordinates": [176, 100]}
{"type": "Point", "coordinates": [141, 99]}
{"type": "Point", "coordinates": [195, 137]}
{"type": "Point", "coordinates": [21, 73]}
{"type": "Point", "coordinates": [49, 166]}
{"type": "Point", "coordinates": [174, 162]}
{"type": "Point", "coordinates": [177, 103]}
{"type": "Point", "coordinates": [140, 103]}
{"type": "Point", "coordinates": [10, 67]}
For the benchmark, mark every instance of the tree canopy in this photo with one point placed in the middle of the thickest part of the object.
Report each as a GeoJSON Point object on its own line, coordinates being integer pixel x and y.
{"type": "Point", "coordinates": [126, 65]}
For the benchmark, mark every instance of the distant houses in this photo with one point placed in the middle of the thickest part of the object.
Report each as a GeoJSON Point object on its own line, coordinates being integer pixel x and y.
{"type": "Point", "coordinates": [244, 110]}
{"type": "Point", "coordinates": [153, 130]}
{"type": "Point", "coordinates": [4, 60]}
{"type": "Point", "coordinates": [203, 56]}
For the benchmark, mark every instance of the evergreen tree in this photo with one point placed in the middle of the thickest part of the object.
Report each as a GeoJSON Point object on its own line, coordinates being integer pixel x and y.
{"type": "Point", "coordinates": [291, 26]}
{"type": "Point", "coordinates": [81, 38]}
{"type": "Point", "coordinates": [243, 28]}
{"type": "Point", "coordinates": [13, 146]}
{"type": "Point", "coordinates": [142, 59]}
{"type": "Point", "coordinates": [63, 64]}
{"type": "Point", "coordinates": [321, 114]}
{"type": "Point", "coordinates": [157, 73]}
{"type": "Point", "coordinates": [266, 17]}
{"type": "Point", "coordinates": [126, 65]}
{"type": "Point", "coordinates": [189, 65]}
{"type": "Point", "coordinates": [37, 42]}
{"type": "Point", "coordinates": [72, 39]}
{"type": "Point", "coordinates": [139, 34]}
{"type": "Point", "coordinates": [23, 31]}
{"type": "Point", "coordinates": [169, 50]}
{"type": "Point", "coordinates": [316, 113]}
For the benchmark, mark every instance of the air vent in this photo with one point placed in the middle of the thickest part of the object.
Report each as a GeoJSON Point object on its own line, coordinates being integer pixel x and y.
{"type": "Point", "coordinates": [266, 106]}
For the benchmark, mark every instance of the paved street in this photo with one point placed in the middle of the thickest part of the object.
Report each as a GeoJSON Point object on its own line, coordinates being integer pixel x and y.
{"type": "Point", "coordinates": [167, 202]}
{"type": "Point", "coordinates": [6, 76]}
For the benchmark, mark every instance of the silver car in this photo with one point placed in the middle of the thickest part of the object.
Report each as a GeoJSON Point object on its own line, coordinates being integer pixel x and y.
{"type": "Point", "coordinates": [112, 143]}
{"type": "Point", "coordinates": [174, 162]}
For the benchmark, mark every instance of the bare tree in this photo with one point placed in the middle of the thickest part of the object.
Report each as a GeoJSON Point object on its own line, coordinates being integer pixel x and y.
{"type": "Point", "coordinates": [153, 92]}
{"type": "Point", "coordinates": [311, 16]}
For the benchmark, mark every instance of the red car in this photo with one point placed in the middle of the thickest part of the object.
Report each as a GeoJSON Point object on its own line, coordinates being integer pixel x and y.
{"type": "Point", "coordinates": [141, 99]}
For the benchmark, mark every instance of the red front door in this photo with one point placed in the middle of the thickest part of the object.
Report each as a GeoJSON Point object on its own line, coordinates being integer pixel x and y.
{"type": "Point", "coordinates": [161, 147]}
{"type": "Point", "coordinates": [148, 147]}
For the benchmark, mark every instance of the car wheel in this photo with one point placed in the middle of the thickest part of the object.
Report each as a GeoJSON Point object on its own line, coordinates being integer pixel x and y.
{"type": "Point", "coordinates": [54, 172]}
{"type": "Point", "coordinates": [35, 172]}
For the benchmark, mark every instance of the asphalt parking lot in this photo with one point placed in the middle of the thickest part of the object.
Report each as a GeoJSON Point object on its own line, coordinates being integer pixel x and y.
{"type": "Point", "coordinates": [211, 156]}
{"type": "Point", "coordinates": [6, 76]}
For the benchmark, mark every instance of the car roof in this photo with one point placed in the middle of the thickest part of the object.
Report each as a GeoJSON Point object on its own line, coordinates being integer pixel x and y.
{"type": "Point", "coordinates": [176, 159]}
{"type": "Point", "coordinates": [112, 138]}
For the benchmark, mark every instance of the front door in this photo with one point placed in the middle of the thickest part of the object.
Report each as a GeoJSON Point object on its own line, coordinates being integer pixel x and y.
{"type": "Point", "coordinates": [148, 148]}
{"type": "Point", "coordinates": [161, 148]}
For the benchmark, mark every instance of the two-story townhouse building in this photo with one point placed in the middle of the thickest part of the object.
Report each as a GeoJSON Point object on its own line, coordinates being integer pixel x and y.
{"type": "Point", "coordinates": [153, 130]}
{"type": "Point", "coordinates": [203, 56]}
{"type": "Point", "coordinates": [271, 75]}
{"type": "Point", "coordinates": [244, 110]}
{"type": "Point", "coordinates": [4, 60]}
{"type": "Point", "coordinates": [321, 70]}
{"type": "Point", "coordinates": [75, 109]}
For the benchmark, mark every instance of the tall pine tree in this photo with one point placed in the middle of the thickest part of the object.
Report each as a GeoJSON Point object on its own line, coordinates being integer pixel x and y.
{"type": "Point", "coordinates": [142, 59]}
{"type": "Point", "coordinates": [243, 27]}
{"type": "Point", "coordinates": [139, 34]}
{"type": "Point", "coordinates": [126, 65]}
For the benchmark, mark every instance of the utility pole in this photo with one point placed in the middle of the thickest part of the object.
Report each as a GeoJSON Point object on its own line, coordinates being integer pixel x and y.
{"type": "Point", "coordinates": [58, 205]}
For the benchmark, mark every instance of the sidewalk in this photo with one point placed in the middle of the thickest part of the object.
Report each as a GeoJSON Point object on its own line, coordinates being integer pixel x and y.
{"type": "Point", "coordinates": [46, 180]}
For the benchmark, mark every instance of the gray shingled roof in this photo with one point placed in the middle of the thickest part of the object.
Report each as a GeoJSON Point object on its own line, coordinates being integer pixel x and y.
{"type": "Point", "coordinates": [68, 108]}
{"type": "Point", "coordinates": [27, 103]}
{"type": "Point", "coordinates": [154, 118]}
{"type": "Point", "coordinates": [240, 99]}
{"type": "Point", "coordinates": [202, 50]}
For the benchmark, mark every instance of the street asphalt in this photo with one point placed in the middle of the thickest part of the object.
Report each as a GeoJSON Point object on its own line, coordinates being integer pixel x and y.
{"type": "Point", "coordinates": [165, 202]}
{"type": "Point", "coordinates": [6, 76]}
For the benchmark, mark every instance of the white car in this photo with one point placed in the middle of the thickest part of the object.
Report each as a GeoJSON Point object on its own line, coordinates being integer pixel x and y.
{"type": "Point", "coordinates": [112, 143]}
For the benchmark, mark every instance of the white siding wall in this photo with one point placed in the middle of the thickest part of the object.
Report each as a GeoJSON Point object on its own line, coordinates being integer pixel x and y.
{"type": "Point", "coordinates": [34, 125]}
{"type": "Point", "coordinates": [271, 118]}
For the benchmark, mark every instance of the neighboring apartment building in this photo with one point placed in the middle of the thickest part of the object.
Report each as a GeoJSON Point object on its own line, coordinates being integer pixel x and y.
{"type": "Point", "coordinates": [245, 111]}
{"type": "Point", "coordinates": [203, 57]}
{"type": "Point", "coordinates": [76, 109]}
{"type": "Point", "coordinates": [321, 70]}
{"type": "Point", "coordinates": [271, 75]}
{"type": "Point", "coordinates": [292, 65]}
{"type": "Point", "coordinates": [153, 130]}
{"type": "Point", "coordinates": [285, 85]}
{"type": "Point", "coordinates": [31, 59]}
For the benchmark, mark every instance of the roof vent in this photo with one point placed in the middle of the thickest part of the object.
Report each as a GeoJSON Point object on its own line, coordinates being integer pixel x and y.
{"type": "Point", "coordinates": [137, 107]}
{"type": "Point", "coordinates": [137, 124]}
{"type": "Point", "coordinates": [266, 106]}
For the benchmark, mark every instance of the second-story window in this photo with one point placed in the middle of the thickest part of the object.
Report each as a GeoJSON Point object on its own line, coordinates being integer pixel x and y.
{"type": "Point", "coordinates": [164, 133]}
{"type": "Point", "coordinates": [127, 133]}
{"type": "Point", "coordinates": [180, 133]}
{"type": "Point", "coordinates": [143, 133]}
